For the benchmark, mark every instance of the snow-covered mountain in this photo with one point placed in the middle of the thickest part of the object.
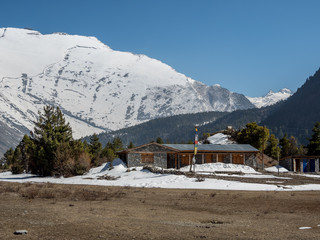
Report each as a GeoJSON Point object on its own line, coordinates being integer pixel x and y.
{"type": "Point", "coordinates": [271, 98]}
{"type": "Point", "coordinates": [97, 88]}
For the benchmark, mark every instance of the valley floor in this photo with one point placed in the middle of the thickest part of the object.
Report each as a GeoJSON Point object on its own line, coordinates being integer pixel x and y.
{"type": "Point", "coordinates": [61, 211]}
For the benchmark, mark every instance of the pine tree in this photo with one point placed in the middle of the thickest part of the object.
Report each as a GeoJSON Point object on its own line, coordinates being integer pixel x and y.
{"type": "Point", "coordinates": [117, 144]}
{"type": "Point", "coordinates": [7, 159]}
{"type": "Point", "coordinates": [293, 150]}
{"type": "Point", "coordinates": [95, 149]}
{"type": "Point", "coordinates": [27, 148]}
{"type": "Point", "coordinates": [285, 146]}
{"type": "Point", "coordinates": [131, 145]}
{"type": "Point", "coordinates": [52, 136]}
{"type": "Point", "coordinates": [159, 140]}
{"type": "Point", "coordinates": [273, 149]}
{"type": "Point", "coordinates": [255, 135]}
{"type": "Point", "coordinates": [314, 141]}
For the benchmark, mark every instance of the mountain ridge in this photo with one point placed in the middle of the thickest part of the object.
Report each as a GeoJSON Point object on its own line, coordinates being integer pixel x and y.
{"type": "Point", "coordinates": [97, 88]}
{"type": "Point", "coordinates": [100, 89]}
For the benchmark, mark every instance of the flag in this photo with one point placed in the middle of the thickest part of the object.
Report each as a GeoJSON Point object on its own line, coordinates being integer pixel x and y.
{"type": "Point", "coordinates": [196, 141]}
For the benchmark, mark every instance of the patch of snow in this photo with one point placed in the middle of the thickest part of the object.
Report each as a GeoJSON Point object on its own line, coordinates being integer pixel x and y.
{"type": "Point", "coordinates": [144, 178]}
{"type": "Point", "coordinates": [310, 175]}
{"type": "Point", "coordinates": [303, 228]}
{"type": "Point", "coordinates": [219, 138]}
{"type": "Point", "coordinates": [221, 167]}
{"type": "Point", "coordinates": [276, 169]}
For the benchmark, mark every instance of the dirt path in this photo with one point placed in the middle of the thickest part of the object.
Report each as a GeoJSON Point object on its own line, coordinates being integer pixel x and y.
{"type": "Point", "coordinates": [49, 211]}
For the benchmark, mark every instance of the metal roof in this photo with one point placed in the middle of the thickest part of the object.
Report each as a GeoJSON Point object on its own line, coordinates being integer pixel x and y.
{"type": "Point", "coordinates": [214, 147]}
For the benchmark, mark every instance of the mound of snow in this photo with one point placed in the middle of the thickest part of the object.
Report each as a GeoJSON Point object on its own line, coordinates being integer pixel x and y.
{"type": "Point", "coordinates": [277, 168]}
{"type": "Point", "coordinates": [219, 138]}
{"type": "Point", "coordinates": [222, 167]}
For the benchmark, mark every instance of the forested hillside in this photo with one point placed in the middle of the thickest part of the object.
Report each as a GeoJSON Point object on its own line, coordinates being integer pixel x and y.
{"type": "Point", "coordinates": [171, 129]}
{"type": "Point", "coordinates": [299, 113]}
{"type": "Point", "coordinates": [180, 129]}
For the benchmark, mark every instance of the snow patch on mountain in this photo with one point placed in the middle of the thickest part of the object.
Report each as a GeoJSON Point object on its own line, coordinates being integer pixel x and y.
{"type": "Point", "coordinates": [270, 98]}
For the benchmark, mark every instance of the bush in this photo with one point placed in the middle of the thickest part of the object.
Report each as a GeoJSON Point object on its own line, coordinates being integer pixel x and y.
{"type": "Point", "coordinates": [16, 169]}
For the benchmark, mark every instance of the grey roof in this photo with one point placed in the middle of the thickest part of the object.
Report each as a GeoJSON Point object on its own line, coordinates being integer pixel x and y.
{"type": "Point", "coordinates": [214, 147]}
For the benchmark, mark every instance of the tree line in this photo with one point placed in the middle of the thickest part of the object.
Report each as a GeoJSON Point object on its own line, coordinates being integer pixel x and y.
{"type": "Point", "coordinates": [50, 150]}
{"type": "Point", "coordinates": [261, 138]}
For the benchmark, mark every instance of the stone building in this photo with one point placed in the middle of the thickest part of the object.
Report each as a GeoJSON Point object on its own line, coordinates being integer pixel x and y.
{"type": "Point", "coordinates": [180, 155]}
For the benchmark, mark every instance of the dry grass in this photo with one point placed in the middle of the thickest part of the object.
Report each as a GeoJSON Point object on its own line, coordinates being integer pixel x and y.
{"type": "Point", "coordinates": [52, 191]}
{"type": "Point", "coordinates": [52, 211]}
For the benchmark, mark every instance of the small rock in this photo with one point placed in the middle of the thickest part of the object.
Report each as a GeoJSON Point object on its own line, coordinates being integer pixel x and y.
{"type": "Point", "coordinates": [20, 232]}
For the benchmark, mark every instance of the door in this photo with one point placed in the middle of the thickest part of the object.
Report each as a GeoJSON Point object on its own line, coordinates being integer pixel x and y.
{"type": "Point", "coordinates": [305, 165]}
{"type": "Point", "coordinates": [312, 165]}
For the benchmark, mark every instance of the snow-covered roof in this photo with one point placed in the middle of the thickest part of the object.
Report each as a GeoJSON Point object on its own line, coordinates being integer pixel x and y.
{"type": "Point", "coordinates": [219, 138]}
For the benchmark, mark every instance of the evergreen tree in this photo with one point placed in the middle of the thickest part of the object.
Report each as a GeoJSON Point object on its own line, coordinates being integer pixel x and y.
{"type": "Point", "coordinates": [52, 135]}
{"type": "Point", "coordinates": [17, 165]}
{"type": "Point", "coordinates": [285, 146]}
{"type": "Point", "coordinates": [95, 149]}
{"type": "Point", "coordinates": [27, 148]}
{"type": "Point", "coordinates": [108, 154]}
{"type": "Point", "coordinates": [273, 149]}
{"type": "Point", "coordinates": [117, 144]}
{"type": "Point", "coordinates": [51, 150]}
{"type": "Point", "coordinates": [314, 141]}
{"type": "Point", "coordinates": [130, 145]}
{"type": "Point", "coordinates": [255, 135]}
{"type": "Point", "coordinates": [8, 158]}
{"type": "Point", "coordinates": [293, 150]}
{"type": "Point", "coordinates": [159, 140]}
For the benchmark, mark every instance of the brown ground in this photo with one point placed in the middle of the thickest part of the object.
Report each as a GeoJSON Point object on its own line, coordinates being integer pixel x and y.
{"type": "Point", "coordinates": [49, 211]}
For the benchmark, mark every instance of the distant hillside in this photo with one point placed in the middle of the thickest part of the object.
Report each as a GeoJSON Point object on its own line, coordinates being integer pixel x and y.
{"type": "Point", "coordinates": [181, 128]}
{"type": "Point", "coordinates": [238, 119]}
{"type": "Point", "coordinates": [299, 113]}
{"type": "Point", "coordinates": [173, 129]}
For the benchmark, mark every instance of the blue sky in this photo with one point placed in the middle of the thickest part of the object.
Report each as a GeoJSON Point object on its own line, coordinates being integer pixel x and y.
{"type": "Point", "coordinates": [246, 46]}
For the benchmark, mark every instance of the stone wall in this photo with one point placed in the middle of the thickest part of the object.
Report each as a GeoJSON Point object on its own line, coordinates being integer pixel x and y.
{"type": "Point", "coordinates": [160, 160]}
{"type": "Point", "coordinates": [134, 160]}
{"type": "Point", "coordinates": [151, 148]}
{"type": "Point", "coordinates": [251, 160]}
{"type": "Point", "coordinates": [287, 164]}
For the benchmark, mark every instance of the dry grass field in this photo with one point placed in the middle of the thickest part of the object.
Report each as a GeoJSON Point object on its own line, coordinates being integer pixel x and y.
{"type": "Point", "coordinates": [49, 211]}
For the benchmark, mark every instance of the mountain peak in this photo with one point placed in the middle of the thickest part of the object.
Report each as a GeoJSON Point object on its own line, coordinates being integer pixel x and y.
{"type": "Point", "coordinates": [270, 98]}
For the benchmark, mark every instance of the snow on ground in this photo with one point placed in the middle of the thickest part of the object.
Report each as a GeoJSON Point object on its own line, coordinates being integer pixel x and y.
{"type": "Point", "coordinates": [219, 138]}
{"type": "Point", "coordinates": [139, 177]}
{"type": "Point", "coordinates": [221, 167]}
{"type": "Point", "coordinates": [310, 175]}
{"type": "Point", "coordinates": [276, 169]}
